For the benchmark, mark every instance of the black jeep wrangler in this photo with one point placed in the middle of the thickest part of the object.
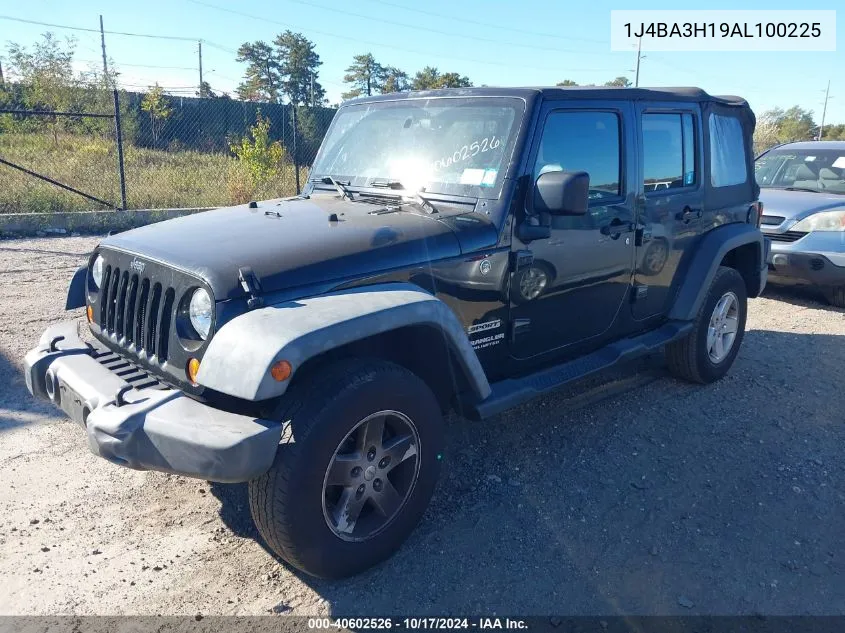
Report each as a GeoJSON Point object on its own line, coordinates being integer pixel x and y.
{"type": "Point", "coordinates": [467, 249]}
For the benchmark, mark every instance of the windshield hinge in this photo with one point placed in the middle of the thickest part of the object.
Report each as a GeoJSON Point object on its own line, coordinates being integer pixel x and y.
{"type": "Point", "coordinates": [252, 286]}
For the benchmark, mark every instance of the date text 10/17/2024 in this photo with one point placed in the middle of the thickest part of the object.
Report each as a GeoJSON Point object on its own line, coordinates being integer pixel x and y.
{"type": "Point", "coordinates": [419, 623]}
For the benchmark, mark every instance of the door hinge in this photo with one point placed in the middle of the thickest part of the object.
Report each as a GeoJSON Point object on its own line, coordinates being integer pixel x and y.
{"type": "Point", "coordinates": [520, 260]}
{"type": "Point", "coordinates": [519, 327]}
{"type": "Point", "coordinates": [640, 292]}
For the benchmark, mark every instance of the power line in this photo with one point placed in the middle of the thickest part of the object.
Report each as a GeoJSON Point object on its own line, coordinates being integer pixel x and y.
{"type": "Point", "coordinates": [358, 40]}
{"type": "Point", "coordinates": [92, 61]}
{"type": "Point", "coordinates": [441, 32]}
{"type": "Point", "coordinates": [82, 28]}
{"type": "Point", "coordinates": [510, 29]}
{"type": "Point", "coordinates": [125, 33]}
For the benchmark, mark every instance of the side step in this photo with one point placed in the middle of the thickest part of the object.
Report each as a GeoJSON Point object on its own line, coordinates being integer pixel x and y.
{"type": "Point", "coordinates": [513, 392]}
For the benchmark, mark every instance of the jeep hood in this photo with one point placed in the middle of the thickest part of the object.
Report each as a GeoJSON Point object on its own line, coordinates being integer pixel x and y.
{"type": "Point", "coordinates": [795, 205]}
{"type": "Point", "coordinates": [294, 242]}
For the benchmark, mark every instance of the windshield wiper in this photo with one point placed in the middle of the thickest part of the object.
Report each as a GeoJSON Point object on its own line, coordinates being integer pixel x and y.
{"type": "Point", "coordinates": [802, 189]}
{"type": "Point", "coordinates": [340, 186]}
{"type": "Point", "coordinates": [425, 203]}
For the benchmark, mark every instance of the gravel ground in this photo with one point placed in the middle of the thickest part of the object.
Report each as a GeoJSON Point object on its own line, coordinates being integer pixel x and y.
{"type": "Point", "coordinates": [631, 493]}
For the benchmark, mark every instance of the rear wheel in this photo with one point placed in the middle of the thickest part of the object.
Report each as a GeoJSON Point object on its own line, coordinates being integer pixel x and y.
{"type": "Point", "coordinates": [654, 259]}
{"type": "Point", "coordinates": [355, 470]}
{"type": "Point", "coordinates": [708, 352]}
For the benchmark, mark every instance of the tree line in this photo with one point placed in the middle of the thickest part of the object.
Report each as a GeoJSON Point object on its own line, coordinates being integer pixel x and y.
{"type": "Point", "coordinates": [287, 68]}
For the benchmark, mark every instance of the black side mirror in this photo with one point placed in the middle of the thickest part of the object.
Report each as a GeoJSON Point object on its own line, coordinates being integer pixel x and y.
{"type": "Point", "coordinates": [562, 192]}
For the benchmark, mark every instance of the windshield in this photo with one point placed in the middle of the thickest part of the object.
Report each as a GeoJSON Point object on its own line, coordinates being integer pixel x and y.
{"type": "Point", "coordinates": [809, 169]}
{"type": "Point", "coordinates": [450, 146]}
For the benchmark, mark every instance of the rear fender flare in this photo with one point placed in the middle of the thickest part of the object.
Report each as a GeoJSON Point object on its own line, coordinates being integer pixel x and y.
{"type": "Point", "coordinates": [706, 260]}
{"type": "Point", "coordinates": [239, 356]}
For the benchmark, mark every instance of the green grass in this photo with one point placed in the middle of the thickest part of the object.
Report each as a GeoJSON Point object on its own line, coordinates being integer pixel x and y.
{"type": "Point", "coordinates": [154, 178]}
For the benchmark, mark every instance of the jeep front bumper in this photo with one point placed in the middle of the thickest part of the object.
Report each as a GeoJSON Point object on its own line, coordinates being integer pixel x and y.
{"type": "Point", "coordinates": [146, 428]}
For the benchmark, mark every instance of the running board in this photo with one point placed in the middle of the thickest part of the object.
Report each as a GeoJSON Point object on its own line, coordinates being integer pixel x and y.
{"type": "Point", "coordinates": [513, 392]}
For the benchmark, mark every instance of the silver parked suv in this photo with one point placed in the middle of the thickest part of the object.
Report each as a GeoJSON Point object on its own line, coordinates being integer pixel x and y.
{"type": "Point", "coordinates": [803, 195]}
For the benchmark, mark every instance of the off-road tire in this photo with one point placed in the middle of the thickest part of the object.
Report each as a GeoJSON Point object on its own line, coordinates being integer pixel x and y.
{"type": "Point", "coordinates": [286, 502]}
{"type": "Point", "coordinates": [688, 358]}
{"type": "Point", "coordinates": [836, 296]}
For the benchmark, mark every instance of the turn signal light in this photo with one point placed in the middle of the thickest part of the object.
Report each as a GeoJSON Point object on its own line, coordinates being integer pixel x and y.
{"type": "Point", "coordinates": [192, 370]}
{"type": "Point", "coordinates": [89, 311]}
{"type": "Point", "coordinates": [281, 370]}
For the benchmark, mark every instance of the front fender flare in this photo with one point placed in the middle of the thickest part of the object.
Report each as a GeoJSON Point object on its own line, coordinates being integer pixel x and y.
{"type": "Point", "coordinates": [239, 356]}
{"type": "Point", "coordinates": [706, 261]}
{"type": "Point", "coordinates": [76, 289]}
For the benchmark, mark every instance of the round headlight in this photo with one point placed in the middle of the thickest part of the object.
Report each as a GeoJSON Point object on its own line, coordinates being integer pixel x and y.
{"type": "Point", "coordinates": [200, 312]}
{"type": "Point", "coordinates": [97, 272]}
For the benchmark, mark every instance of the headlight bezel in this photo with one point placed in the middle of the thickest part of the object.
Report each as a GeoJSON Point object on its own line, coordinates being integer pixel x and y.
{"type": "Point", "coordinates": [200, 312]}
{"type": "Point", "coordinates": [97, 270]}
{"type": "Point", "coordinates": [187, 333]}
{"type": "Point", "coordinates": [831, 221]}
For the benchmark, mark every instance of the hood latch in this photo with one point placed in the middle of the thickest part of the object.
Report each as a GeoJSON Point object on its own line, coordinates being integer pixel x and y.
{"type": "Point", "coordinates": [252, 286]}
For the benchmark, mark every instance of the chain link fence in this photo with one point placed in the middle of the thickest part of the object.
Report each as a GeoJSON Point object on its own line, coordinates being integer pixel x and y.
{"type": "Point", "coordinates": [177, 152]}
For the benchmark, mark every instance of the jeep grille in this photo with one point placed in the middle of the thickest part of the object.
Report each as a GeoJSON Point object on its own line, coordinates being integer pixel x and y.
{"type": "Point", "coordinates": [137, 310]}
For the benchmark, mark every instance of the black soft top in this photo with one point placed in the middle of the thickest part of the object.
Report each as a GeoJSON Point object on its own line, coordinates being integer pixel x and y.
{"type": "Point", "coordinates": [696, 95]}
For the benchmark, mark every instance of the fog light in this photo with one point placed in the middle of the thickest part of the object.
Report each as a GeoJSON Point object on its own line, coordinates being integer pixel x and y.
{"type": "Point", "coordinates": [192, 370]}
{"type": "Point", "coordinates": [280, 370]}
{"type": "Point", "coordinates": [780, 260]}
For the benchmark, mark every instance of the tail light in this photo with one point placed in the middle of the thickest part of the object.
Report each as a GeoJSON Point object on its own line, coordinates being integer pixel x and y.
{"type": "Point", "coordinates": [755, 214]}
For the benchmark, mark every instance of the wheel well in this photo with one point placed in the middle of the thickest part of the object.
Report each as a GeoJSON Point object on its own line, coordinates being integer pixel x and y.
{"type": "Point", "coordinates": [745, 260]}
{"type": "Point", "coordinates": [422, 349]}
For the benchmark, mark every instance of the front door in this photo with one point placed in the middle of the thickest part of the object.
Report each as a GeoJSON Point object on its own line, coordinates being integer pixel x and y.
{"type": "Point", "coordinates": [574, 289]}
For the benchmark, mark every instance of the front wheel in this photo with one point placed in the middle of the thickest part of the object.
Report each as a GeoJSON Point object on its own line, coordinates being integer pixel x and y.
{"type": "Point", "coordinates": [707, 353]}
{"type": "Point", "coordinates": [355, 469]}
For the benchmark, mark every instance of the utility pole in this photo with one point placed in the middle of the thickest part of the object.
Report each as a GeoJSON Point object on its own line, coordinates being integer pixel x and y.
{"type": "Point", "coordinates": [639, 56]}
{"type": "Point", "coordinates": [117, 131]}
{"type": "Point", "coordinates": [103, 44]}
{"type": "Point", "coordinates": [199, 43]}
{"type": "Point", "coordinates": [312, 88]}
{"type": "Point", "coordinates": [2, 81]}
{"type": "Point", "coordinates": [824, 109]}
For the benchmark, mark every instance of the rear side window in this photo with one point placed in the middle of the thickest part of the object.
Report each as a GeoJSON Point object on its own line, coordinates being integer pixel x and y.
{"type": "Point", "coordinates": [583, 141]}
{"type": "Point", "coordinates": [728, 162]}
{"type": "Point", "coordinates": [668, 151]}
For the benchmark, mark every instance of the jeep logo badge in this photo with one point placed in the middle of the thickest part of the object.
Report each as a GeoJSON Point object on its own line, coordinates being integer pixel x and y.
{"type": "Point", "coordinates": [137, 265]}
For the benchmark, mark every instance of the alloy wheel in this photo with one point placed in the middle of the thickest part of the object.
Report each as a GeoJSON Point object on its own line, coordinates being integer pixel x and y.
{"type": "Point", "coordinates": [371, 475]}
{"type": "Point", "coordinates": [721, 333]}
{"type": "Point", "coordinates": [533, 283]}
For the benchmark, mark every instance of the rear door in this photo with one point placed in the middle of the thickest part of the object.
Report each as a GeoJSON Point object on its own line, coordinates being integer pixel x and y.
{"type": "Point", "coordinates": [671, 201]}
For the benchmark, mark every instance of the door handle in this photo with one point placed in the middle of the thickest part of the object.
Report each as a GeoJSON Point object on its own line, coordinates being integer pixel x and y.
{"type": "Point", "coordinates": [688, 214]}
{"type": "Point", "coordinates": [616, 228]}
